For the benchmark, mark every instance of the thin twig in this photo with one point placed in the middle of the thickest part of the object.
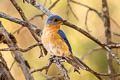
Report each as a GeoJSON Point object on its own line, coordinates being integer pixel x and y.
{"type": "Point", "coordinates": [111, 46]}
{"type": "Point", "coordinates": [20, 49]}
{"type": "Point", "coordinates": [45, 67]}
{"type": "Point", "coordinates": [12, 64]}
{"type": "Point", "coordinates": [69, 6]}
{"type": "Point", "coordinates": [90, 51]}
{"type": "Point", "coordinates": [41, 15]}
{"type": "Point", "coordinates": [18, 30]}
{"type": "Point", "coordinates": [86, 20]}
{"type": "Point", "coordinates": [117, 34]}
{"type": "Point", "coordinates": [115, 22]}
{"type": "Point", "coordinates": [92, 9]}
{"type": "Point", "coordinates": [20, 11]}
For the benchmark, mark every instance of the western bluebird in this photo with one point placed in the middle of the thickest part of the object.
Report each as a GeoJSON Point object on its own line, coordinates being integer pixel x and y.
{"type": "Point", "coordinates": [56, 42]}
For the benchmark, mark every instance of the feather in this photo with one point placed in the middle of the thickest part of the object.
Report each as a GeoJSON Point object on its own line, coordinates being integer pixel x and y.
{"type": "Point", "coordinates": [76, 63]}
{"type": "Point", "coordinates": [62, 34]}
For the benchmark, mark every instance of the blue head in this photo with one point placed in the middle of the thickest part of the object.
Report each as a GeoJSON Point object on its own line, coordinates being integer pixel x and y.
{"type": "Point", "coordinates": [54, 20]}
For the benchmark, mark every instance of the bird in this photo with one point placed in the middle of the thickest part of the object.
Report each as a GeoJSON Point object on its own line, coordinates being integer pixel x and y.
{"type": "Point", "coordinates": [56, 43]}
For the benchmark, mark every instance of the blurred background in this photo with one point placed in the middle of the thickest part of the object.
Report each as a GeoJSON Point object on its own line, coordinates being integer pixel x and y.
{"type": "Point", "coordinates": [79, 43]}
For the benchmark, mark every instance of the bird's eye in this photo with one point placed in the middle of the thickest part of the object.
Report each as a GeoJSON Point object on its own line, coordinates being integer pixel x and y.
{"type": "Point", "coordinates": [56, 20]}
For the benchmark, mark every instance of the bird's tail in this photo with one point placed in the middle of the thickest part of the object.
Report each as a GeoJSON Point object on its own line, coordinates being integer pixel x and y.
{"type": "Point", "coordinates": [76, 62]}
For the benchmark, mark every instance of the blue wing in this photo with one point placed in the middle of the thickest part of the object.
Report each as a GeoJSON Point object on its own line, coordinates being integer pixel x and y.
{"type": "Point", "coordinates": [62, 34]}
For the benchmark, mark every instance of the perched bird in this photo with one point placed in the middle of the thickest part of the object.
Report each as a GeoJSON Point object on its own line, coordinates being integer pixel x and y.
{"type": "Point", "coordinates": [56, 42]}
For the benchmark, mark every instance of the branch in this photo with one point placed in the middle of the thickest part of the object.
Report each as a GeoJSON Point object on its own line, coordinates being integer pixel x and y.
{"type": "Point", "coordinates": [61, 67]}
{"type": "Point", "coordinates": [115, 22]}
{"type": "Point", "coordinates": [51, 6]}
{"type": "Point", "coordinates": [39, 6]}
{"type": "Point", "coordinates": [106, 47]}
{"type": "Point", "coordinates": [32, 27]}
{"type": "Point", "coordinates": [21, 22]}
{"type": "Point", "coordinates": [12, 64]}
{"type": "Point", "coordinates": [25, 19]}
{"type": "Point", "coordinates": [84, 33]}
{"type": "Point", "coordinates": [106, 19]}
{"type": "Point", "coordinates": [111, 46]}
{"type": "Point", "coordinates": [86, 21]}
{"type": "Point", "coordinates": [90, 52]}
{"type": "Point", "coordinates": [117, 34]}
{"type": "Point", "coordinates": [20, 49]}
{"type": "Point", "coordinates": [57, 61]}
{"type": "Point", "coordinates": [92, 9]}
{"type": "Point", "coordinates": [5, 73]}
{"type": "Point", "coordinates": [70, 7]}
{"type": "Point", "coordinates": [107, 26]}
{"type": "Point", "coordinates": [115, 45]}
{"type": "Point", "coordinates": [45, 67]}
{"type": "Point", "coordinates": [18, 55]}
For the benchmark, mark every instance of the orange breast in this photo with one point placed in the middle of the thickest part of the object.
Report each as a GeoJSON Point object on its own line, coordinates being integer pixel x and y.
{"type": "Point", "coordinates": [54, 44]}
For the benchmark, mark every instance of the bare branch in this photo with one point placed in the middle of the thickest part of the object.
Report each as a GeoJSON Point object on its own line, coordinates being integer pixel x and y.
{"type": "Point", "coordinates": [18, 30]}
{"type": "Point", "coordinates": [20, 49]}
{"type": "Point", "coordinates": [92, 9]}
{"type": "Point", "coordinates": [19, 9]}
{"type": "Point", "coordinates": [20, 12]}
{"type": "Point", "coordinates": [18, 56]}
{"type": "Point", "coordinates": [62, 68]}
{"type": "Point", "coordinates": [107, 26]}
{"type": "Point", "coordinates": [111, 46]}
{"type": "Point", "coordinates": [69, 7]}
{"type": "Point", "coordinates": [25, 19]}
{"type": "Point", "coordinates": [4, 71]}
{"type": "Point", "coordinates": [41, 15]}
{"type": "Point", "coordinates": [57, 61]}
{"type": "Point", "coordinates": [106, 20]}
{"type": "Point", "coordinates": [93, 39]}
{"type": "Point", "coordinates": [84, 33]}
{"type": "Point", "coordinates": [90, 52]}
{"type": "Point", "coordinates": [45, 67]}
{"type": "Point", "coordinates": [115, 22]}
{"type": "Point", "coordinates": [117, 34]}
{"type": "Point", "coordinates": [39, 6]}
{"type": "Point", "coordinates": [24, 23]}
{"type": "Point", "coordinates": [86, 20]}
{"type": "Point", "coordinates": [12, 64]}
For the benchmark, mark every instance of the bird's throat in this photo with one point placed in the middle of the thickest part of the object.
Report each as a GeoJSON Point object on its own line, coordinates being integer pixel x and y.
{"type": "Point", "coordinates": [52, 28]}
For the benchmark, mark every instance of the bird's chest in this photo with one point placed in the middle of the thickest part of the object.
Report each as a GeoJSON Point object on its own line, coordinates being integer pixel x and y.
{"type": "Point", "coordinates": [54, 44]}
{"type": "Point", "coordinates": [50, 38]}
